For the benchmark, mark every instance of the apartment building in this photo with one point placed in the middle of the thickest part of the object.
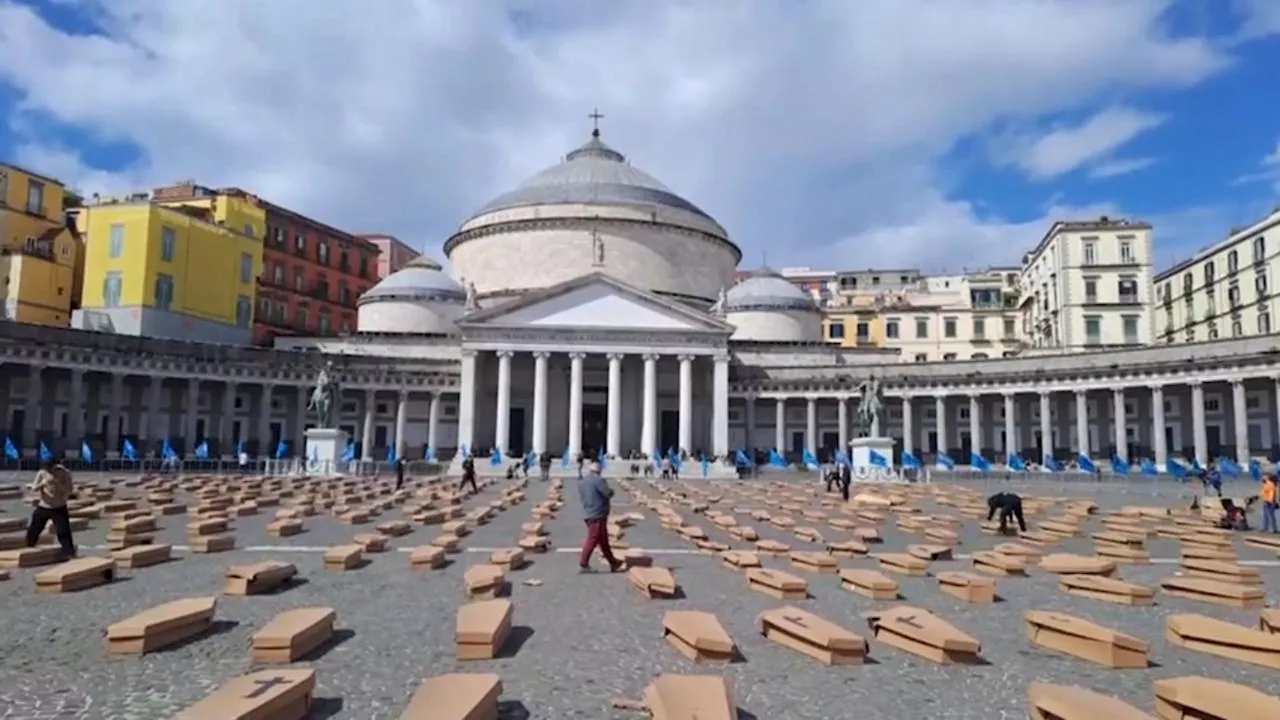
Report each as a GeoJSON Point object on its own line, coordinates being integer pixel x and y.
{"type": "Point", "coordinates": [1088, 285]}
{"type": "Point", "coordinates": [41, 256]}
{"type": "Point", "coordinates": [1223, 291]}
{"type": "Point", "coordinates": [393, 253]}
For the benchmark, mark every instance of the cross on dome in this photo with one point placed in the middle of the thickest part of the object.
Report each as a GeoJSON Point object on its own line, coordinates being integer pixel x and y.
{"type": "Point", "coordinates": [595, 117]}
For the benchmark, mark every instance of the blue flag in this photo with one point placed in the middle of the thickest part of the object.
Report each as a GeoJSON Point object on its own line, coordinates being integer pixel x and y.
{"type": "Point", "coordinates": [979, 463]}
{"type": "Point", "coordinates": [10, 450]}
{"type": "Point", "coordinates": [601, 457]}
{"type": "Point", "coordinates": [1176, 469]}
{"type": "Point", "coordinates": [1051, 463]}
{"type": "Point", "coordinates": [1085, 463]}
{"type": "Point", "coordinates": [706, 466]}
{"type": "Point", "coordinates": [495, 458]}
{"type": "Point", "coordinates": [202, 450]}
{"type": "Point", "coordinates": [1148, 468]}
{"type": "Point", "coordinates": [391, 453]}
{"type": "Point", "coordinates": [564, 459]}
{"type": "Point", "coordinates": [45, 455]}
{"type": "Point", "coordinates": [657, 460]}
{"type": "Point", "coordinates": [878, 460]}
{"type": "Point", "coordinates": [239, 448]}
{"type": "Point", "coordinates": [776, 459]}
{"type": "Point", "coordinates": [910, 461]}
{"type": "Point", "coordinates": [674, 457]}
{"type": "Point", "coordinates": [1118, 465]}
{"type": "Point", "coordinates": [810, 462]}
{"type": "Point", "coordinates": [1229, 468]}
{"type": "Point", "coordinates": [945, 462]}
{"type": "Point", "coordinates": [740, 459]}
{"type": "Point", "coordinates": [466, 451]}
{"type": "Point", "coordinates": [128, 451]}
{"type": "Point", "coordinates": [282, 450]}
{"type": "Point", "coordinates": [166, 450]}
{"type": "Point", "coordinates": [86, 453]}
{"type": "Point", "coordinates": [315, 453]}
{"type": "Point", "coordinates": [429, 454]}
{"type": "Point", "coordinates": [349, 452]}
{"type": "Point", "coordinates": [1255, 470]}
{"type": "Point", "coordinates": [1017, 464]}
{"type": "Point", "coordinates": [842, 458]}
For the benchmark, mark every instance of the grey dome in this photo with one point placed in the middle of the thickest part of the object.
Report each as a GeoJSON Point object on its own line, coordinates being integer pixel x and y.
{"type": "Point", "coordinates": [766, 290]}
{"type": "Point", "coordinates": [593, 174]}
{"type": "Point", "coordinates": [420, 279]}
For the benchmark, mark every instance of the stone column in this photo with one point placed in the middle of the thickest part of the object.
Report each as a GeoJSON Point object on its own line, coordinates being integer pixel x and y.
{"type": "Point", "coordinates": [265, 448]}
{"type": "Point", "coordinates": [975, 426]}
{"type": "Point", "coordinates": [749, 416]}
{"type": "Point", "coordinates": [1011, 444]}
{"type": "Point", "coordinates": [1275, 432]}
{"type": "Point", "coordinates": [613, 434]}
{"type": "Point", "coordinates": [117, 407]}
{"type": "Point", "coordinates": [366, 428]}
{"type": "Point", "coordinates": [1119, 421]}
{"type": "Point", "coordinates": [190, 416]}
{"type": "Point", "coordinates": [842, 417]}
{"type": "Point", "coordinates": [685, 435]}
{"type": "Point", "coordinates": [780, 426]}
{"type": "Point", "coordinates": [75, 409]}
{"type": "Point", "coordinates": [940, 412]}
{"type": "Point", "coordinates": [402, 422]}
{"type": "Point", "coordinates": [540, 403]}
{"type": "Point", "coordinates": [649, 424]}
{"type": "Point", "coordinates": [226, 420]}
{"type": "Point", "coordinates": [33, 408]}
{"type": "Point", "coordinates": [154, 432]}
{"type": "Point", "coordinates": [301, 397]}
{"type": "Point", "coordinates": [720, 407]}
{"type": "Point", "coordinates": [575, 405]}
{"type": "Point", "coordinates": [502, 422]}
{"type": "Point", "coordinates": [1046, 424]}
{"type": "Point", "coordinates": [908, 429]}
{"type": "Point", "coordinates": [1199, 432]}
{"type": "Point", "coordinates": [433, 421]}
{"type": "Point", "coordinates": [466, 402]}
{"type": "Point", "coordinates": [1158, 445]}
{"type": "Point", "coordinates": [1082, 423]}
{"type": "Point", "coordinates": [1240, 419]}
{"type": "Point", "coordinates": [811, 425]}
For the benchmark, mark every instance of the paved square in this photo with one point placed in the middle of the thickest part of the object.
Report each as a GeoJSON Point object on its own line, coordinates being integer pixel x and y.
{"type": "Point", "coordinates": [583, 640]}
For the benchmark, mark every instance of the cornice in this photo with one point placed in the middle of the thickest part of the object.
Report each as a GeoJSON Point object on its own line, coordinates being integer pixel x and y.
{"type": "Point", "coordinates": [584, 223]}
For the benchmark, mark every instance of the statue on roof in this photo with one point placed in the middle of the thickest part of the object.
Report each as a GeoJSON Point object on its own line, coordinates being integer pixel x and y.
{"type": "Point", "coordinates": [470, 303]}
{"type": "Point", "coordinates": [722, 299]}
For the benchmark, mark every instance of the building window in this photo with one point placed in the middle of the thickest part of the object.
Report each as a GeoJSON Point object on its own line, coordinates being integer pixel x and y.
{"type": "Point", "coordinates": [164, 292]}
{"type": "Point", "coordinates": [1010, 327]}
{"type": "Point", "coordinates": [1127, 288]}
{"type": "Point", "coordinates": [1237, 327]}
{"type": "Point", "coordinates": [35, 197]}
{"type": "Point", "coordinates": [1264, 322]}
{"type": "Point", "coordinates": [168, 238]}
{"type": "Point", "coordinates": [277, 274]}
{"type": "Point", "coordinates": [299, 281]}
{"type": "Point", "coordinates": [246, 268]}
{"type": "Point", "coordinates": [115, 246]}
{"type": "Point", "coordinates": [979, 329]}
{"type": "Point", "coordinates": [1233, 295]}
{"type": "Point", "coordinates": [835, 331]}
{"type": "Point", "coordinates": [322, 325]}
{"type": "Point", "coordinates": [299, 243]}
{"type": "Point", "coordinates": [949, 356]}
{"type": "Point", "coordinates": [346, 327]}
{"type": "Point", "coordinates": [1188, 284]}
{"type": "Point", "coordinates": [1261, 282]}
{"type": "Point", "coordinates": [1092, 330]}
{"type": "Point", "coordinates": [949, 327]}
{"type": "Point", "coordinates": [244, 311]}
{"type": "Point", "coordinates": [344, 294]}
{"type": "Point", "coordinates": [1233, 261]}
{"type": "Point", "coordinates": [1208, 273]}
{"type": "Point", "coordinates": [1130, 329]}
{"type": "Point", "coordinates": [922, 357]}
{"type": "Point", "coordinates": [1090, 253]}
{"type": "Point", "coordinates": [1091, 291]}
{"type": "Point", "coordinates": [1259, 249]}
{"type": "Point", "coordinates": [278, 236]}
{"type": "Point", "coordinates": [322, 252]}
{"type": "Point", "coordinates": [922, 328]}
{"type": "Point", "coordinates": [113, 286]}
{"type": "Point", "coordinates": [248, 229]}
{"type": "Point", "coordinates": [364, 266]}
{"type": "Point", "coordinates": [864, 332]}
{"type": "Point", "coordinates": [978, 356]}
{"type": "Point", "coordinates": [1126, 252]}
{"type": "Point", "coordinates": [891, 329]}
{"type": "Point", "coordinates": [300, 318]}
{"type": "Point", "coordinates": [344, 261]}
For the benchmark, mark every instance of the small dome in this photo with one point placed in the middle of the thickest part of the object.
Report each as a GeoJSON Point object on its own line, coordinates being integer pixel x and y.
{"type": "Point", "coordinates": [421, 279]}
{"type": "Point", "coordinates": [765, 290]}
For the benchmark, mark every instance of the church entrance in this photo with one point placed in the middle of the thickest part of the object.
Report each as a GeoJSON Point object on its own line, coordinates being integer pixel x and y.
{"type": "Point", "coordinates": [515, 432]}
{"type": "Point", "coordinates": [595, 428]}
{"type": "Point", "coordinates": [669, 432]}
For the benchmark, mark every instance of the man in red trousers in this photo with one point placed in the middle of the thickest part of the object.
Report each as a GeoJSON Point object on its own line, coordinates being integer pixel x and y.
{"type": "Point", "coordinates": [595, 495]}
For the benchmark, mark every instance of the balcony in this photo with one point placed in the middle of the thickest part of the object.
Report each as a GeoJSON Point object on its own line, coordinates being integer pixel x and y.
{"type": "Point", "coordinates": [1129, 299]}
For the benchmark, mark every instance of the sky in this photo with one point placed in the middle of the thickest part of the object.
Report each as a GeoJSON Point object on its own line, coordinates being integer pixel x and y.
{"type": "Point", "coordinates": [937, 134]}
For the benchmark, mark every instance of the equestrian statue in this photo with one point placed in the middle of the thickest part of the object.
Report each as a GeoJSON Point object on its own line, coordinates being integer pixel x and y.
{"type": "Point", "coordinates": [870, 408]}
{"type": "Point", "coordinates": [324, 398]}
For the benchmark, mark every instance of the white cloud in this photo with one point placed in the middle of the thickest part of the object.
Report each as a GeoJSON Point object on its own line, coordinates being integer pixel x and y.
{"type": "Point", "coordinates": [1118, 167]}
{"type": "Point", "coordinates": [1270, 172]}
{"type": "Point", "coordinates": [795, 124]}
{"type": "Point", "coordinates": [1274, 158]}
{"type": "Point", "coordinates": [1069, 147]}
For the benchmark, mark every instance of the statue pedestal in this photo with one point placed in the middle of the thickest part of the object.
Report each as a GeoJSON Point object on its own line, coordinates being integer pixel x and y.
{"type": "Point", "coordinates": [863, 470]}
{"type": "Point", "coordinates": [324, 450]}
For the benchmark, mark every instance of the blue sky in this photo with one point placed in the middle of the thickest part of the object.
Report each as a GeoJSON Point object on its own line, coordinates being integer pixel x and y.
{"type": "Point", "coordinates": [810, 129]}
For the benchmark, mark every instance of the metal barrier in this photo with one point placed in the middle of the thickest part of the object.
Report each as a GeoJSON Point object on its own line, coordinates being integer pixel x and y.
{"type": "Point", "coordinates": [22, 472]}
{"type": "Point", "coordinates": [1076, 482]}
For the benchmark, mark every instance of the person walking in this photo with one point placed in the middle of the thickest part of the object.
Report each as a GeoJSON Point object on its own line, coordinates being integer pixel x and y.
{"type": "Point", "coordinates": [1009, 505]}
{"type": "Point", "coordinates": [53, 488]}
{"type": "Point", "coordinates": [469, 475]}
{"type": "Point", "coordinates": [596, 497]}
{"type": "Point", "coordinates": [1270, 497]}
{"type": "Point", "coordinates": [400, 466]}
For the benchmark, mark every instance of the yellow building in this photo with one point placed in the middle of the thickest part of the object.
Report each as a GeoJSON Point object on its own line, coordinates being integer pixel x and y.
{"type": "Point", "coordinates": [170, 271]}
{"type": "Point", "coordinates": [857, 325]}
{"type": "Point", "coordinates": [39, 254]}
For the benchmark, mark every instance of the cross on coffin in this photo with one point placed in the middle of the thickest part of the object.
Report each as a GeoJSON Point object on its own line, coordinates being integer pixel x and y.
{"type": "Point", "coordinates": [797, 621]}
{"type": "Point", "coordinates": [909, 621]}
{"type": "Point", "coordinates": [265, 686]}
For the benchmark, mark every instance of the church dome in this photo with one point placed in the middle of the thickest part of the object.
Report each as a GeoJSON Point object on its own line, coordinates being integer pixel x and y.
{"type": "Point", "coordinates": [766, 308]}
{"type": "Point", "coordinates": [419, 298]}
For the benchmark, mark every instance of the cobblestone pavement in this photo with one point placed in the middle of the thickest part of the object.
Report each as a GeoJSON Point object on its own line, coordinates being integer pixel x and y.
{"type": "Point", "coordinates": [593, 637]}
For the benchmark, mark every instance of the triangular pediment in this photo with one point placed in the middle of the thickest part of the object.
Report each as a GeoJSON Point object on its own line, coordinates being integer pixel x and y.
{"type": "Point", "coordinates": [596, 302]}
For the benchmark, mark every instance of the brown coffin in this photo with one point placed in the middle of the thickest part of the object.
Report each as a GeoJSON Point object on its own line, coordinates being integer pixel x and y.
{"type": "Point", "coordinates": [161, 626]}
{"type": "Point", "coordinates": [263, 577]}
{"type": "Point", "coordinates": [1097, 587]}
{"type": "Point", "coordinates": [929, 552]}
{"type": "Point", "coordinates": [869, 584]}
{"type": "Point", "coordinates": [922, 633]}
{"type": "Point", "coordinates": [481, 629]}
{"type": "Point", "coordinates": [508, 558]}
{"type": "Point", "coordinates": [903, 564]}
{"type": "Point", "coordinates": [212, 543]}
{"type": "Point", "coordinates": [1220, 570]}
{"type": "Point", "coordinates": [457, 528]}
{"type": "Point", "coordinates": [484, 581]}
{"type": "Point", "coordinates": [653, 582]}
{"type": "Point", "coordinates": [394, 528]}
{"type": "Point", "coordinates": [744, 533]}
{"type": "Point", "coordinates": [1269, 621]}
{"type": "Point", "coordinates": [343, 557]}
{"type": "Point", "coordinates": [1214, 591]}
{"type": "Point", "coordinates": [1086, 640]}
{"type": "Point", "coordinates": [276, 694]}
{"type": "Point", "coordinates": [994, 563]}
{"type": "Point", "coordinates": [292, 635]}
{"type": "Point", "coordinates": [447, 541]}
{"type": "Point", "coordinates": [818, 562]}
{"type": "Point", "coordinates": [690, 697]}
{"type": "Point", "coordinates": [698, 636]}
{"type": "Point", "coordinates": [456, 696]}
{"type": "Point", "coordinates": [533, 528]}
{"type": "Point", "coordinates": [1216, 637]}
{"type": "Point", "coordinates": [847, 548]}
{"type": "Point", "coordinates": [75, 575]}
{"type": "Point", "coordinates": [806, 633]}
{"type": "Point", "coordinates": [740, 559]}
{"type": "Point", "coordinates": [426, 558]}
{"type": "Point", "coordinates": [777, 584]}
{"type": "Point", "coordinates": [1202, 698]}
{"type": "Point", "coordinates": [142, 556]}
{"type": "Point", "coordinates": [371, 542]}
{"type": "Point", "coordinates": [772, 547]}
{"type": "Point", "coordinates": [1203, 552]}
{"type": "Point", "coordinates": [1127, 554]}
{"type": "Point", "coordinates": [968, 587]}
{"type": "Point", "coordinates": [535, 543]}
{"type": "Point", "coordinates": [1066, 702]}
{"type": "Point", "coordinates": [284, 527]}
{"type": "Point", "coordinates": [1067, 564]}
{"type": "Point", "coordinates": [1263, 542]}
{"type": "Point", "coordinates": [30, 557]}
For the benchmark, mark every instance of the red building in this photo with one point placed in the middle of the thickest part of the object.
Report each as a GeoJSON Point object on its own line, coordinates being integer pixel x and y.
{"type": "Point", "coordinates": [312, 275]}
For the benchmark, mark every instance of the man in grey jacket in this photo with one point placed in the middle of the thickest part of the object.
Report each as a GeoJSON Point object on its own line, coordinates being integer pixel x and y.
{"type": "Point", "coordinates": [596, 495]}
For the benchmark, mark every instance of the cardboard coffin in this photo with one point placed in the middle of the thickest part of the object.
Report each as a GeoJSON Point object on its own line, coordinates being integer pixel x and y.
{"type": "Point", "coordinates": [343, 557]}
{"type": "Point", "coordinates": [922, 633]}
{"type": "Point", "coordinates": [292, 635]}
{"type": "Point", "coordinates": [1086, 640]}
{"type": "Point", "coordinates": [904, 564]}
{"type": "Point", "coordinates": [535, 543]}
{"type": "Point", "coordinates": [818, 562]}
{"type": "Point", "coordinates": [1228, 640]}
{"type": "Point", "coordinates": [427, 558]}
{"type": "Point", "coordinates": [1097, 587]}
{"type": "Point", "coordinates": [847, 548]}
{"type": "Point", "coordinates": [204, 544]}
{"type": "Point", "coordinates": [1269, 621]}
{"type": "Point", "coordinates": [484, 581]}
{"type": "Point", "coordinates": [284, 527]}
{"type": "Point", "coordinates": [75, 575]}
{"type": "Point", "coordinates": [278, 694]}
{"type": "Point", "coordinates": [968, 587]}
{"type": "Point", "coordinates": [652, 582]}
{"type": "Point", "coordinates": [142, 556]}
{"type": "Point", "coordinates": [869, 584]}
{"type": "Point", "coordinates": [263, 577]}
{"type": "Point", "coordinates": [161, 626]}
{"type": "Point", "coordinates": [1214, 591]}
{"type": "Point", "coordinates": [777, 584]}
{"type": "Point", "coordinates": [772, 547]}
{"type": "Point", "coordinates": [1066, 702]}
{"type": "Point", "coordinates": [994, 563]}
{"type": "Point", "coordinates": [456, 696]}
{"type": "Point", "coordinates": [930, 552]}
{"type": "Point", "coordinates": [482, 628]}
{"type": "Point", "coordinates": [740, 559]}
{"type": "Point", "coordinates": [1202, 697]}
{"type": "Point", "coordinates": [690, 697]}
{"type": "Point", "coordinates": [698, 636]}
{"type": "Point", "coordinates": [26, 557]}
{"type": "Point", "coordinates": [450, 543]}
{"type": "Point", "coordinates": [1208, 553]}
{"type": "Point", "coordinates": [1068, 564]}
{"type": "Point", "coordinates": [811, 635]}
{"type": "Point", "coordinates": [508, 558]}
{"type": "Point", "coordinates": [1221, 570]}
